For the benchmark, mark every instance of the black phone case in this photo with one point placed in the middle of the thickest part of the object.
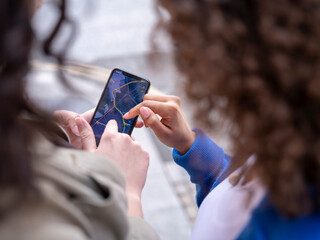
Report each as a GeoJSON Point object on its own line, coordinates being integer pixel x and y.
{"type": "Point", "coordinates": [105, 88]}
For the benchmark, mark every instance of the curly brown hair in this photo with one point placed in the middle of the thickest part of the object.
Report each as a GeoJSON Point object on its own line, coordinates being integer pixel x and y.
{"type": "Point", "coordinates": [258, 64]}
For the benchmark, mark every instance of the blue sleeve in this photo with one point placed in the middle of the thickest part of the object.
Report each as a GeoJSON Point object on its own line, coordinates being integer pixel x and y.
{"type": "Point", "coordinates": [205, 162]}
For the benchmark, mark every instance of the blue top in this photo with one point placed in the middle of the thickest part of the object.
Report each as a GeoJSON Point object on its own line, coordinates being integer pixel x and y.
{"type": "Point", "coordinates": [206, 162]}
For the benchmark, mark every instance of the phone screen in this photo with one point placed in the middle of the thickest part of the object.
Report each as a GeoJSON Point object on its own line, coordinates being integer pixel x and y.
{"type": "Point", "coordinates": [122, 92]}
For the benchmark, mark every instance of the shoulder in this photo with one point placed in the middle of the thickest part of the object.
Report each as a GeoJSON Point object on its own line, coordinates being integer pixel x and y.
{"type": "Point", "coordinates": [80, 196]}
{"type": "Point", "coordinates": [74, 163]}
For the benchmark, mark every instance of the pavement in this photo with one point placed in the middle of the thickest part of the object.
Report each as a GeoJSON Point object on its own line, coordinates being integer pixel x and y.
{"type": "Point", "coordinates": [117, 34]}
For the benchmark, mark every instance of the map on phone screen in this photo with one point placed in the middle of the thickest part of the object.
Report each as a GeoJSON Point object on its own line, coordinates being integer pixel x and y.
{"type": "Point", "coordinates": [122, 93]}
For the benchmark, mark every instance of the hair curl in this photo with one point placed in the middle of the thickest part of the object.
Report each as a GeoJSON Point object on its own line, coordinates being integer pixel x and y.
{"type": "Point", "coordinates": [258, 64]}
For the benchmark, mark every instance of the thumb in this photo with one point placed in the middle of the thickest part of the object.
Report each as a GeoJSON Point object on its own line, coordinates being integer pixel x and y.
{"type": "Point", "coordinates": [109, 131]}
{"type": "Point", "coordinates": [112, 127]}
{"type": "Point", "coordinates": [150, 119]}
{"type": "Point", "coordinates": [67, 120]}
{"type": "Point", "coordinates": [86, 134]}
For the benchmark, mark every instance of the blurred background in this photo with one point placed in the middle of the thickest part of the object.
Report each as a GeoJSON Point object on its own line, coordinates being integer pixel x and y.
{"type": "Point", "coordinates": [111, 34]}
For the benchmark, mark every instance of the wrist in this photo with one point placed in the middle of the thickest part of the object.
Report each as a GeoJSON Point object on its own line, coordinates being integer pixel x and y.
{"type": "Point", "coordinates": [187, 143]}
{"type": "Point", "coordinates": [134, 204]}
{"type": "Point", "coordinates": [133, 196]}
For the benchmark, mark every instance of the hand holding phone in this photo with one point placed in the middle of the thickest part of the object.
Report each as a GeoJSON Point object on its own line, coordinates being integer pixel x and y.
{"type": "Point", "coordinates": [122, 92]}
{"type": "Point", "coordinates": [126, 153]}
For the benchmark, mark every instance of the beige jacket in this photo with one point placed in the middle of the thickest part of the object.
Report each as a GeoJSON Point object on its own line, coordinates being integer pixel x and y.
{"type": "Point", "coordinates": [81, 196]}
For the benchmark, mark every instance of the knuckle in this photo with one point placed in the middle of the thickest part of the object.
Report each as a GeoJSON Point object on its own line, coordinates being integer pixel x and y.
{"type": "Point", "coordinates": [109, 136]}
{"type": "Point", "coordinates": [126, 138]}
{"type": "Point", "coordinates": [146, 103]}
{"type": "Point", "coordinates": [69, 121]}
{"type": "Point", "coordinates": [85, 135]}
{"type": "Point", "coordinates": [145, 156]}
{"type": "Point", "coordinates": [152, 120]}
{"type": "Point", "coordinates": [173, 107]}
{"type": "Point", "coordinates": [176, 99]}
{"type": "Point", "coordinates": [146, 153]}
{"type": "Point", "coordinates": [136, 145]}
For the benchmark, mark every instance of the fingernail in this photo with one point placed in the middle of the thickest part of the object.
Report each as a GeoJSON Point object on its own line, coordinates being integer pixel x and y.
{"type": "Point", "coordinates": [145, 113]}
{"type": "Point", "coordinates": [125, 116]}
{"type": "Point", "coordinates": [75, 130]}
{"type": "Point", "coordinates": [112, 121]}
{"type": "Point", "coordinates": [79, 122]}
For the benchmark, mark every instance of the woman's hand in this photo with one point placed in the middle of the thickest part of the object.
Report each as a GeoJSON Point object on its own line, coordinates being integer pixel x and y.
{"type": "Point", "coordinates": [125, 152]}
{"type": "Point", "coordinates": [66, 119]}
{"type": "Point", "coordinates": [172, 129]}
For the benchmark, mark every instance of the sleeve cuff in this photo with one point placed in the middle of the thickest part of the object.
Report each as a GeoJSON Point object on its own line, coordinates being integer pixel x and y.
{"type": "Point", "coordinates": [204, 158]}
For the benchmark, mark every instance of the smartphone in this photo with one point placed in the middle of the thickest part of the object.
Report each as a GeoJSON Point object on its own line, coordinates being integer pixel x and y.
{"type": "Point", "coordinates": [122, 92]}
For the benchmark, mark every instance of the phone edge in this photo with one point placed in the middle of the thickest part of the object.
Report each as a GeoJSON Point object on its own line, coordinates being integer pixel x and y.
{"type": "Point", "coordinates": [107, 83]}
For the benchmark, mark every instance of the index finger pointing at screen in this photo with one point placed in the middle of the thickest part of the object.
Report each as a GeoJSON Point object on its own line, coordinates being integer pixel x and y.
{"type": "Point", "coordinates": [160, 108]}
{"type": "Point", "coordinates": [133, 112]}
